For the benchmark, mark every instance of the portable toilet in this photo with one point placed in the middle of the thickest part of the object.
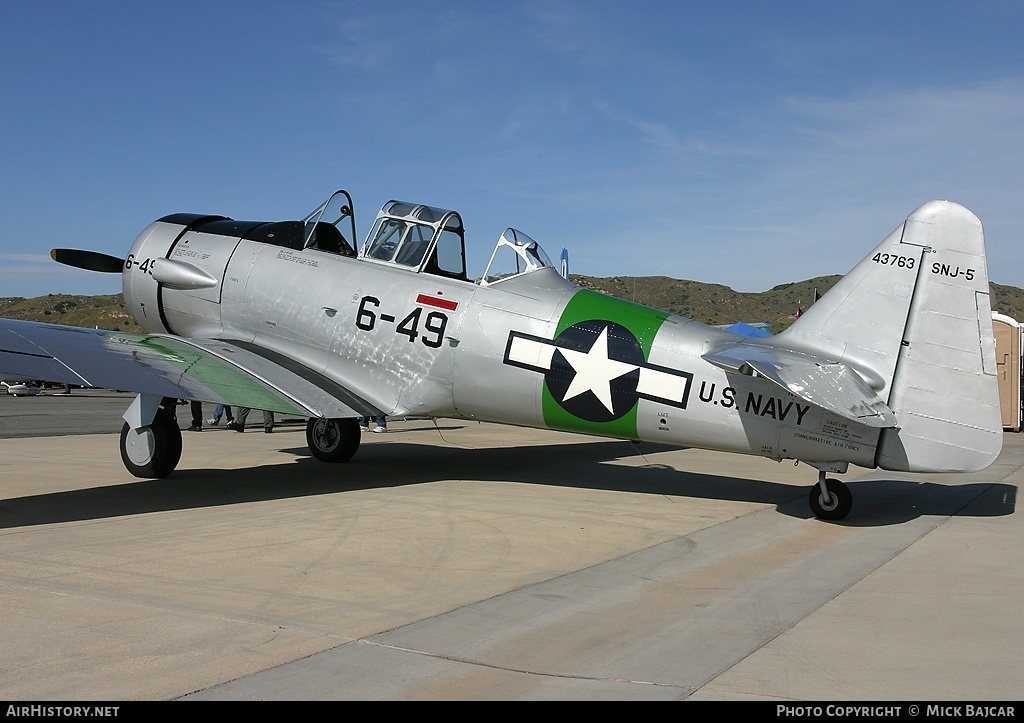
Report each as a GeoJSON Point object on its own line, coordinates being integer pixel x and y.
{"type": "Point", "coordinates": [1007, 332]}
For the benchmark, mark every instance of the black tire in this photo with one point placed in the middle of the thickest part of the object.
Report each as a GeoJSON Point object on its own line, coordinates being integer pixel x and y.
{"type": "Point", "coordinates": [333, 440]}
{"type": "Point", "coordinates": [154, 451]}
{"type": "Point", "coordinates": [838, 505]}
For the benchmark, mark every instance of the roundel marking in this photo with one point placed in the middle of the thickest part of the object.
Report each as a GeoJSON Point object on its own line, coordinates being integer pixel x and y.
{"type": "Point", "coordinates": [595, 370]}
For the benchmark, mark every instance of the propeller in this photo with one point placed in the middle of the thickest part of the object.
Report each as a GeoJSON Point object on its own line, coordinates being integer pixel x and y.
{"type": "Point", "coordinates": [88, 260]}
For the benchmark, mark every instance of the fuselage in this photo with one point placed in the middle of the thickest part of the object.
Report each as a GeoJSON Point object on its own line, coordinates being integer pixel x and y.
{"type": "Point", "coordinates": [531, 349]}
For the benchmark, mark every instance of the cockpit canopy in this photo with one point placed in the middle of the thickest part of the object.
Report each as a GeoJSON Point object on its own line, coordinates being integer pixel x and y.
{"type": "Point", "coordinates": [413, 236]}
{"type": "Point", "coordinates": [418, 237]}
{"type": "Point", "coordinates": [515, 253]}
{"type": "Point", "coordinates": [332, 226]}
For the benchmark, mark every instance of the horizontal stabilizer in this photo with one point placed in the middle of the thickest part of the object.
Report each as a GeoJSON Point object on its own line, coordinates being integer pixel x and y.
{"type": "Point", "coordinates": [832, 386]}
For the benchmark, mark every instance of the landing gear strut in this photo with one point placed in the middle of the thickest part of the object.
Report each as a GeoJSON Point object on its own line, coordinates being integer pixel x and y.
{"type": "Point", "coordinates": [153, 451]}
{"type": "Point", "coordinates": [333, 440]}
{"type": "Point", "coordinates": [830, 499]}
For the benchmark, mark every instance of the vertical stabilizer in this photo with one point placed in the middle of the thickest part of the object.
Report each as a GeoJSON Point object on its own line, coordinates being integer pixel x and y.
{"type": "Point", "coordinates": [914, 319]}
{"type": "Point", "coordinates": [946, 389]}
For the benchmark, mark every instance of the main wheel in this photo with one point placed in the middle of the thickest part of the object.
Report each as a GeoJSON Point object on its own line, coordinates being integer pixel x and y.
{"type": "Point", "coordinates": [152, 452]}
{"type": "Point", "coordinates": [836, 506]}
{"type": "Point", "coordinates": [333, 440]}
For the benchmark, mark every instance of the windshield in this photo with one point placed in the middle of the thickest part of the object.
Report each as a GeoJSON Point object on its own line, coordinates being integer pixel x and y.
{"type": "Point", "coordinates": [419, 237]}
{"type": "Point", "coordinates": [403, 242]}
{"type": "Point", "coordinates": [332, 226]}
{"type": "Point", "coordinates": [515, 253]}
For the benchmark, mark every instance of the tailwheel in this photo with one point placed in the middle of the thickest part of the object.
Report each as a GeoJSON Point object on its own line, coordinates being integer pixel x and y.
{"type": "Point", "coordinates": [153, 451]}
{"type": "Point", "coordinates": [333, 440]}
{"type": "Point", "coordinates": [830, 499]}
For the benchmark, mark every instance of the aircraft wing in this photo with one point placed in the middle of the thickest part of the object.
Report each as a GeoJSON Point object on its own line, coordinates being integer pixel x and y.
{"type": "Point", "coordinates": [234, 373]}
{"type": "Point", "coordinates": [827, 384]}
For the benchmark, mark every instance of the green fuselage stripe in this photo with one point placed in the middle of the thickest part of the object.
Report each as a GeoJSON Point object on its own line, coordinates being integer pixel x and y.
{"type": "Point", "coordinates": [644, 324]}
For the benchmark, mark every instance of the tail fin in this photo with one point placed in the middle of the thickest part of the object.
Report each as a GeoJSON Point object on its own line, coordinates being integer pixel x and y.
{"type": "Point", "coordinates": [914, 319]}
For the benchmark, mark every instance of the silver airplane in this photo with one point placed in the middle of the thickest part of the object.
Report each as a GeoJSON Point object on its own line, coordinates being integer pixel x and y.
{"type": "Point", "coordinates": [893, 368]}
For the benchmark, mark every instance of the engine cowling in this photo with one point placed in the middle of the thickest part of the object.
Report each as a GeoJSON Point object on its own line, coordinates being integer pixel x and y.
{"type": "Point", "coordinates": [173, 272]}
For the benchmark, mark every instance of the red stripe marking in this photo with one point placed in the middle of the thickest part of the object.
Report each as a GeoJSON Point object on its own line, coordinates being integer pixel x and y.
{"type": "Point", "coordinates": [446, 304]}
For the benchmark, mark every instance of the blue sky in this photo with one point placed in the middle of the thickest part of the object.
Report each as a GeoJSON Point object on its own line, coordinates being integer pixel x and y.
{"type": "Point", "coordinates": [742, 143]}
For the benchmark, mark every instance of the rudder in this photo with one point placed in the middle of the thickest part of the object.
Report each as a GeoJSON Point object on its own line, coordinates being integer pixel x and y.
{"type": "Point", "coordinates": [946, 392]}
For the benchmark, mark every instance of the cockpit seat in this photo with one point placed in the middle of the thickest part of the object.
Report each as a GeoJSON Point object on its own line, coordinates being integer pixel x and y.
{"type": "Point", "coordinates": [329, 238]}
{"type": "Point", "coordinates": [411, 253]}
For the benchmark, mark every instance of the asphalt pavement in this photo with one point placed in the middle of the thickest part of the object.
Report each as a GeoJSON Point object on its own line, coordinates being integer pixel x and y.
{"type": "Point", "coordinates": [464, 561]}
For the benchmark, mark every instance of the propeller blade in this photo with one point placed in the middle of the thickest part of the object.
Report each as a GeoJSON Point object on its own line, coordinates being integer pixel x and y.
{"type": "Point", "coordinates": [88, 260]}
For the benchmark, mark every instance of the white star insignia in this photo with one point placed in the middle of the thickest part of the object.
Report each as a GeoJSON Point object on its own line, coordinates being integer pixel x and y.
{"type": "Point", "coordinates": [595, 371]}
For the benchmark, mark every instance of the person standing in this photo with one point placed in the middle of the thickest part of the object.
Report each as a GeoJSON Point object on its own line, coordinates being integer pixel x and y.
{"type": "Point", "coordinates": [219, 411]}
{"type": "Point", "coordinates": [239, 424]}
{"type": "Point", "coordinates": [197, 417]}
{"type": "Point", "coordinates": [381, 423]}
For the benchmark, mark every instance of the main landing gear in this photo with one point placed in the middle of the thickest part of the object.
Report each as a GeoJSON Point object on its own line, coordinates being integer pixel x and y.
{"type": "Point", "coordinates": [333, 440]}
{"type": "Point", "coordinates": [830, 499]}
{"type": "Point", "coordinates": [152, 451]}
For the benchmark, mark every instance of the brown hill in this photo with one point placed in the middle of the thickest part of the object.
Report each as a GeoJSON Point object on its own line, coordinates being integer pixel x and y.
{"type": "Point", "coordinates": [1008, 300]}
{"type": "Point", "coordinates": [707, 303]}
{"type": "Point", "coordinates": [713, 303]}
{"type": "Point", "coordinates": [716, 304]}
{"type": "Point", "coordinates": [98, 312]}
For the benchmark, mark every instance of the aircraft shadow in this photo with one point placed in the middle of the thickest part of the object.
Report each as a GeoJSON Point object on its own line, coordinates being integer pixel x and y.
{"type": "Point", "coordinates": [580, 465]}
